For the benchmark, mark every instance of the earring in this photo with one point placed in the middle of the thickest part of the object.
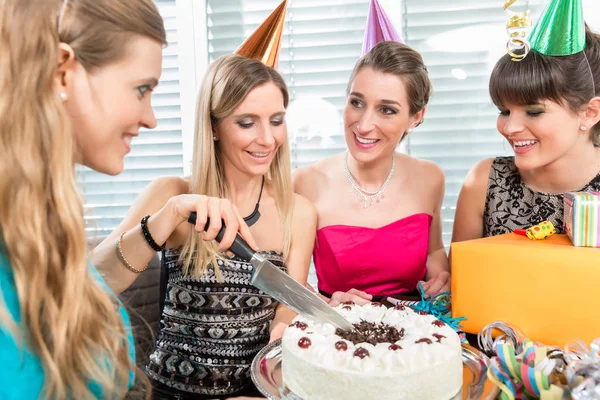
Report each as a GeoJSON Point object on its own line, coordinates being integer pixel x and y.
{"type": "Point", "coordinates": [63, 96]}
{"type": "Point", "coordinates": [409, 131]}
{"type": "Point", "coordinates": [583, 128]}
{"type": "Point", "coordinates": [215, 138]}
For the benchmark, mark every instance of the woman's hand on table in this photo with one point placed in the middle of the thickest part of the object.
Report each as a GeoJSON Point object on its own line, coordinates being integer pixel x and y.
{"type": "Point", "coordinates": [439, 283]}
{"type": "Point", "coordinates": [357, 296]}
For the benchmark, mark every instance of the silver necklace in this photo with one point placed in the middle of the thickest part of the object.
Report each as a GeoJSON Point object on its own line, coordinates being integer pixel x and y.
{"type": "Point", "coordinates": [368, 198]}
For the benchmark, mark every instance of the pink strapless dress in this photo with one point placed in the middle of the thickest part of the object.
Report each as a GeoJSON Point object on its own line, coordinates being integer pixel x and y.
{"type": "Point", "coordinates": [381, 261]}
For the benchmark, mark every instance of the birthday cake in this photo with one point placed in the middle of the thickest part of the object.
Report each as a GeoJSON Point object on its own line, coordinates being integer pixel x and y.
{"type": "Point", "coordinates": [392, 353]}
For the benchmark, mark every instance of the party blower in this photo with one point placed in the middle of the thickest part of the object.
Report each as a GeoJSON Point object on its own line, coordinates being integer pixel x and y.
{"type": "Point", "coordinates": [279, 285]}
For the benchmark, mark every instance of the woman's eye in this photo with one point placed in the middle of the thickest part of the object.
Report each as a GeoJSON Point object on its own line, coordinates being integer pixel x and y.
{"type": "Point", "coordinates": [355, 103]}
{"type": "Point", "coordinates": [245, 124]}
{"type": "Point", "coordinates": [388, 111]}
{"type": "Point", "coordinates": [277, 122]}
{"type": "Point", "coordinates": [534, 113]}
{"type": "Point", "coordinates": [142, 90]}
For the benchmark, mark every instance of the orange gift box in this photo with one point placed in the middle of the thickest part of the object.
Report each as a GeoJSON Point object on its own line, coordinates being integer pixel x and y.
{"type": "Point", "coordinates": [548, 289]}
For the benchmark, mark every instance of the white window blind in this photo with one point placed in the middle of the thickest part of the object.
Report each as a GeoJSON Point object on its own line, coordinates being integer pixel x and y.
{"type": "Point", "coordinates": [154, 153]}
{"type": "Point", "coordinates": [460, 42]}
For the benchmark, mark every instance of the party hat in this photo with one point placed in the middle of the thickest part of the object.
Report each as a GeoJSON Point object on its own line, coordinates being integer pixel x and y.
{"type": "Point", "coordinates": [264, 43]}
{"type": "Point", "coordinates": [560, 30]}
{"type": "Point", "coordinates": [379, 28]}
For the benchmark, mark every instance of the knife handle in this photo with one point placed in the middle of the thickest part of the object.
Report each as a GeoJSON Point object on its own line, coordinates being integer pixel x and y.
{"type": "Point", "coordinates": [239, 247]}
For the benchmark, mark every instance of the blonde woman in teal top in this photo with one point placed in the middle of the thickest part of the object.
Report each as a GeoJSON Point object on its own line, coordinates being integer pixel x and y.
{"type": "Point", "coordinates": [76, 78]}
{"type": "Point", "coordinates": [26, 379]}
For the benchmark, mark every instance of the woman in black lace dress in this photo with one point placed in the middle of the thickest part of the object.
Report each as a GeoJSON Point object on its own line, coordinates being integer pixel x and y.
{"type": "Point", "coordinates": [549, 113]}
{"type": "Point", "coordinates": [214, 321]}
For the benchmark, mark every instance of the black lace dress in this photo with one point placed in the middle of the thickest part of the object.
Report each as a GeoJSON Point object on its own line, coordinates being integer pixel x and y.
{"type": "Point", "coordinates": [511, 205]}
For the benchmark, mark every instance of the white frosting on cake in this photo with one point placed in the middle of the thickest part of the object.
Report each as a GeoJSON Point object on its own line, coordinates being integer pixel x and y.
{"type": "Point", "coordinates": [409, 370]}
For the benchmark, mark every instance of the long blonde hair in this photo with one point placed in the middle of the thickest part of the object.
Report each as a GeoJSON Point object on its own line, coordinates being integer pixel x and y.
{"type": "Point", "coordinates": [67, 318]}
{"type": "Point", "coordinates": [226, 84]}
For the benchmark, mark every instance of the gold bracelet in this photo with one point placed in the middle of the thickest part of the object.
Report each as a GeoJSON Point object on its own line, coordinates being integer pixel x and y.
{"type": "Point", "coordinates": [124, 260]}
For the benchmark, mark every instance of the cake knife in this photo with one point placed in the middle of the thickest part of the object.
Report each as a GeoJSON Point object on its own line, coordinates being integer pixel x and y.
{"type": "Point", "coordinates": [279, 285]}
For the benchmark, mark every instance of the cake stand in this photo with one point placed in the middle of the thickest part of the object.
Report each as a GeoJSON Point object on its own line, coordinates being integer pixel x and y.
{"type": "Point", "coordinates": [266, 374]}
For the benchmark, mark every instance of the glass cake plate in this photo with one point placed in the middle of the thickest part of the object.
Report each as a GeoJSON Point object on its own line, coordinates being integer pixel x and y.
{"type": "Point", "coordinates": [266, 374]}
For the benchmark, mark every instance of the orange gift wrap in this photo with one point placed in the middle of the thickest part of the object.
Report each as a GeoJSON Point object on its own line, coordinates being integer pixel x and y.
{"type": "Point", "coordinates": [548, 289]}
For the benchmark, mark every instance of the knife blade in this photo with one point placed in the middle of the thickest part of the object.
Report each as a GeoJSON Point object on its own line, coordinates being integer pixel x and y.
{"type": "Point", "coordinates": [279, 285]}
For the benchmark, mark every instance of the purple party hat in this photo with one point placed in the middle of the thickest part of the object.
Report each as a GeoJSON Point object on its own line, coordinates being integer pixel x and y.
{"type": "Point", "coordinates": [379, 28]}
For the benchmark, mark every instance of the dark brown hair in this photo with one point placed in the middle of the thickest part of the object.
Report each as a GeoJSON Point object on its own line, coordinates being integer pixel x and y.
{"type": "Point", "coordinates": [400, 60]}
{"type": "Point", "coordinates": [564, 80]}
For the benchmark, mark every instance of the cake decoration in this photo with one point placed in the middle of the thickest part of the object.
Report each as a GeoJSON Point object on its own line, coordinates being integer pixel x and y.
{"type": "Point", "coordinates": [304, 343]}
{"type": "Point", "coordinates": [361, 352]}
{"type": "Point", "coordinates": [369, 332]}
{"type": "Point", "coordinates": [341, 345]}
{"type": "Point", "coordinates": [391, 354]}
{"type": "Point", "coordinates": [424, 340]}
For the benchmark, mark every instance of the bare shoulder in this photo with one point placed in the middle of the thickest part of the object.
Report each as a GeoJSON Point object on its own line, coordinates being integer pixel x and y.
{"type": "Point", "coordinates": [432, 172]}
{"type": "Point", "coordinates": [328, 164]}
{"type": "Point", "coordinates": [171, 184]}
{"type": "Point", "coordinates": [480, 172]}
{"type": "Point", "coordinates": [303, 177]}
{"type": "Point", "coordinates": [167, 187]}
{"type": "Point", "coordinates": [424, 170]}
{"type": "Point", "coordinates": [303, 209]}
{"type": "Point", "coordinates": [310, 179]}
{"type": "Point", "coordinates": [474, 189]}
{"type": "Point", "coordinates": [157, 194]}
{"type": "Point", "coordinates": [470, 208]}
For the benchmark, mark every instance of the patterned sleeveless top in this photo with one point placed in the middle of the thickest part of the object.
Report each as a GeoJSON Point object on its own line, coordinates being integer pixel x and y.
{"type": "Point", "coordinates": [210, 331]}
{"type": "Point", "coordinates": [511, 205]}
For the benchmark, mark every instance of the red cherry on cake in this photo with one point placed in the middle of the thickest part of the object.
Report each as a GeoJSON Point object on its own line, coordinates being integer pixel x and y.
{"type": "Point", "coordinates": [394, 347]}
{"type": "Point", "coordinates": [348, 303]}
{"type": "Point", "coordinates": [400, 307]}
{"type": "Point", "coordinates": [439, 337]}
{"type": "Point", "coordinates": [361, 352]}
{"type": "Point", "coordinates": [300, 325]}
{"type": "Point", "coordinates": [376, 304]}
{"type": "Point", "coordinates": [304, 343]}
{"type": "Point", "coordinates": [422, 312]}
{"type": "Point", "coordinates": [438, 323]}
{"type": "Point", "coordinates": [341, 345]}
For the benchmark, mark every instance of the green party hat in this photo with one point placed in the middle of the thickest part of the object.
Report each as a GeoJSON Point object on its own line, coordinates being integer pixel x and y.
{"type": "Point", "coordinates": [560, 30]}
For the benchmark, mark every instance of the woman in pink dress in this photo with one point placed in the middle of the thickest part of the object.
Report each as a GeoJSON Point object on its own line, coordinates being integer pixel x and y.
{"type": "Point", "coordinates": [379, 226]}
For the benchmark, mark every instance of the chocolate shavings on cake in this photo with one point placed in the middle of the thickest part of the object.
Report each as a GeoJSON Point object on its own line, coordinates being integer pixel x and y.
{"type": "Point", "coordinates": [369, 332]}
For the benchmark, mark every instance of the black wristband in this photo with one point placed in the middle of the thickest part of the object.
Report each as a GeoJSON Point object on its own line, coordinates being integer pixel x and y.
{"type": "Point", "coordinates": [148, 236]}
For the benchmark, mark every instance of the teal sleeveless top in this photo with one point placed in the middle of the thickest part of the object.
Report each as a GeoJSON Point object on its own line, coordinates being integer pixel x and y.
{"type": "Point", "coordinates": [22, 374]}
